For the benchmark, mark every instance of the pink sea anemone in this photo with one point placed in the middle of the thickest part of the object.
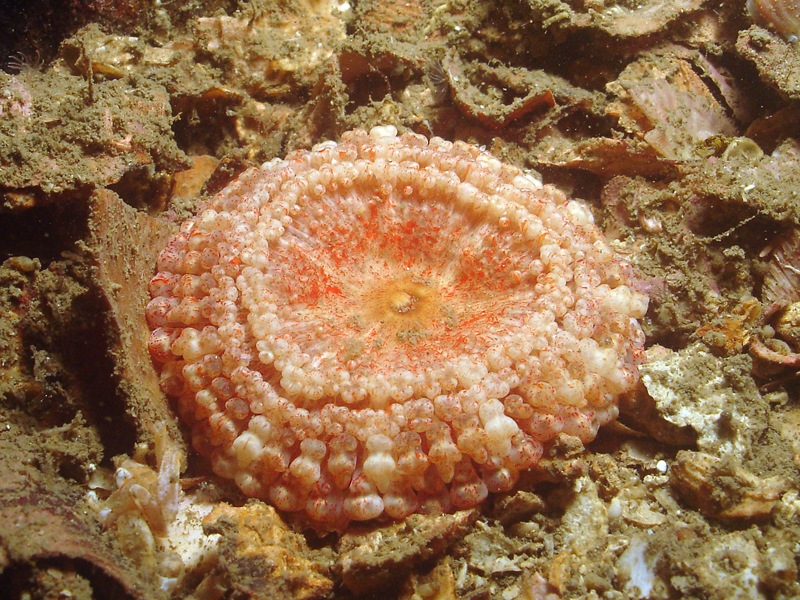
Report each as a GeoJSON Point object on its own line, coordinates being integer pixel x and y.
{"type": "Point", "coordinates": [389, 325]}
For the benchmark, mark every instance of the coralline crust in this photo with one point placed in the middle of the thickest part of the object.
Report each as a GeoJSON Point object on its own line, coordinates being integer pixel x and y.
{"type": "Point", "coordinates": [390, 325]}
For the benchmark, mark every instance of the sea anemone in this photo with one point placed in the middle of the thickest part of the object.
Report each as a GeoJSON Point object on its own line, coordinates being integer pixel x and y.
{"type": "Point", "coordinates": [389, 325]}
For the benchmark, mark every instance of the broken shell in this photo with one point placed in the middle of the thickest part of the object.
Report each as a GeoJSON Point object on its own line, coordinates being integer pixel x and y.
{"type": "Point", "coordinates": [723, 489]}
{"type": "Point", "coordinates": [782, 278]}
{"type": "Point", "coordinates": [261, 557]}
{"type": "Point", "coordinates": [782, 16]}
{"type": "Point", "coordinates": [649, 89]}
{"type": "Point", "coordinates": [787, 325]}
{"type": "Point", "coordinates": [744, 148]}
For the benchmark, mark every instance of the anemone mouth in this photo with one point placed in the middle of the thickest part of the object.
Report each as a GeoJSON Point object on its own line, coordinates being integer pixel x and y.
{"type": "Point", "coordinates": [390, 324]}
